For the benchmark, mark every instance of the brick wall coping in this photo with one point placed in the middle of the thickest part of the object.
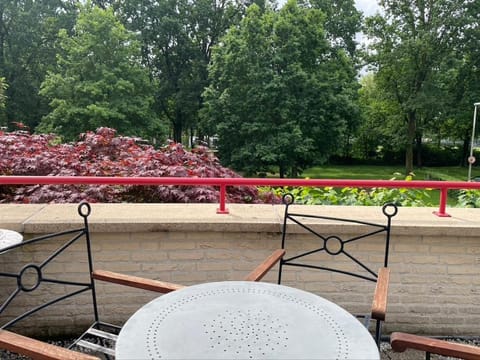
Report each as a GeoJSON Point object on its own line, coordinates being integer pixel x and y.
{"type": "Point", "coordinates": [44, 218]}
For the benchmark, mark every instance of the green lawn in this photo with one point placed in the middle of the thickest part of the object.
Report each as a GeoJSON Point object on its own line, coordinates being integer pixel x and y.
{"type": "Point", "coordinates": [374, 172]}
{"type": "Point", "coordinates": [450, 173]}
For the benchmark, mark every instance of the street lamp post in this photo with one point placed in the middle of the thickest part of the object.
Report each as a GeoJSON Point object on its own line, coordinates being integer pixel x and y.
{"type": "Point", "coordinates": [471, 158]}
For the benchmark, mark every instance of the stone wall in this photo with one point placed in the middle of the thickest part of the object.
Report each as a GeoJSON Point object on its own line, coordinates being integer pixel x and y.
{"type": "Point", "coordinates": [435, 262]}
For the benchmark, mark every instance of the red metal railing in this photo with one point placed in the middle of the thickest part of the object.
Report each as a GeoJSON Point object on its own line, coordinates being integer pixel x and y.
{"type": "Point", "coordinates": [222, 183]}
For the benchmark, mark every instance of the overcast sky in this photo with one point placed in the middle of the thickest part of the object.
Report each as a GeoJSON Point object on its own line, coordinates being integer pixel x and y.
{"type": "Point", "coordinates": [368, 7]}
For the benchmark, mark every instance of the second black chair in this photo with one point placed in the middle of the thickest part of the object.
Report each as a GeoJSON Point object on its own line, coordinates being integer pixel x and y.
{"type": "Point", "coordinates": [334, 247]}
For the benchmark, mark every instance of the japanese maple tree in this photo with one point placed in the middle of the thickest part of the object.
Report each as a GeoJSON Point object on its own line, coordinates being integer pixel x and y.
{"type": "Point", "coordinates": [104, 153]}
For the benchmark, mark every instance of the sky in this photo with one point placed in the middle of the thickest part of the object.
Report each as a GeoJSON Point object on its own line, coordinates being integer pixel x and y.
{"type": "Point", "coordinates": [368, 7]}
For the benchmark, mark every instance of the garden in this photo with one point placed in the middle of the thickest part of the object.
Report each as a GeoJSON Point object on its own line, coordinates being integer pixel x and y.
{"type": "Point", "coordinates": [105, 153]}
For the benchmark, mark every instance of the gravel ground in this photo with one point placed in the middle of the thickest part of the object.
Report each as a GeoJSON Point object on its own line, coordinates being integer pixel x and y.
{"type": "Point", "coordinates": [385, 351]}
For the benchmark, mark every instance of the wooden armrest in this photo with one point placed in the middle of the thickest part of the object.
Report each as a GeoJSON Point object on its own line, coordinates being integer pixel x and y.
{"type": "Point", "coordinates": [379, 305]}
{"type": "Point", "coordinates": [135, 281]}
{"type": "Point", "coordinates": [38, 350]}
{"type": "Point", "coordinates": [402, 341]}
{"type": "Point", "coordinates": [259, 272]}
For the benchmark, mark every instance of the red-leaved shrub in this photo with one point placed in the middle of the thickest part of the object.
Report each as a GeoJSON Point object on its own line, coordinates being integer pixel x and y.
{"type": "Point", "coordinates": [102, 153]}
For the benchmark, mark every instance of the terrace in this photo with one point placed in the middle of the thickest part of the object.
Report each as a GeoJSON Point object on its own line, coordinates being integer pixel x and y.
{"type": "Point", "coordinates": [434, 260]}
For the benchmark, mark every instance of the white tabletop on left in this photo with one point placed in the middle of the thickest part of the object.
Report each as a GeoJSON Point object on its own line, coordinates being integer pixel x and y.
{"type": "Point", "coordinates": [9, 238]}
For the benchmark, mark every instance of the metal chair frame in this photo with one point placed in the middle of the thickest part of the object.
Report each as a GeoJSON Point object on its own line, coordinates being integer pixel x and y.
{"type": "Point", "coordinates": [103, 335]}
{"type": "Point", "coordinates": [100, 330]}
{"type": "Point", "coordinates": [389, 210]}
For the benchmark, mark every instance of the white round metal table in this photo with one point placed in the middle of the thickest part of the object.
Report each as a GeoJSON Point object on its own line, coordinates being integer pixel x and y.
{"type": "Point", "coordinates": [243, 320]}
{"type": "Point", "coordinates": [9, 238]}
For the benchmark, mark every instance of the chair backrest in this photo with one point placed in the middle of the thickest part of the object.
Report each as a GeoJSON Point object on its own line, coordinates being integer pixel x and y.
{"type": "Point", "coordinates": [31, 273]}
{"type": "Point", "coordinates": [332, 246]}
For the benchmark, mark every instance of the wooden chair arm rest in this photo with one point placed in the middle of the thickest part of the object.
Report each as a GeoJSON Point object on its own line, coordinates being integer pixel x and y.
{"type": "Point", "coordinates": [135, 281]}
{"type": "Point", "coordinates": [261, 270]}
{"type": "Point", "coordinates": [379, 305]}
{"type": "Point", "coordinates": [38, 350]}
{"type": "Point", "coordinates": [402, 341]}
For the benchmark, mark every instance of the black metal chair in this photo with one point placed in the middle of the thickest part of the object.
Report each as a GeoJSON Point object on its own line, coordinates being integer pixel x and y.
{"type": "Point", "coordinates": [330, 247]}
{"type": "Point", "coordinates": [24, 275]}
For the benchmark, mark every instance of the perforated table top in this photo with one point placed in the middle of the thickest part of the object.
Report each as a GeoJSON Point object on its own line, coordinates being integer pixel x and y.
{"type": "Point", "coordinates": [243, 320]}
{"type": "Point", "coordinates": [9, 238]}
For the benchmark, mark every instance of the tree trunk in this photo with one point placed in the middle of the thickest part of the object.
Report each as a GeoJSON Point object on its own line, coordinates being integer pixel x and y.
{"type": "Point", "coordinates": [178, 127]}
{"type": "Point", "coordinates": [411, 121]}
{"type": "Point", "coordinates": [294, 171]}
{"type": "Point", "coordinates": [418, 146]}
{"type": "Point", "coordinates": [465, 151]}
{"type": "Point", "coordinates": [177, 133]}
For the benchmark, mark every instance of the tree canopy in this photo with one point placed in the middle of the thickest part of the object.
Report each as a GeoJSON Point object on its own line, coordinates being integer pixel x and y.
{"type": "Point", "coordinates": [3, 87]}
{"type": "Point", "coordinates": [275, 83]}
{"type": "Point", "coordinates": [99, 80]}
{"type": "Point", "coordinates": [177, 39]}
{"type": "Point", "coordinates": [28, 33]}
{"type": "Point", "coordinates": [412, 41]}
{"type": "Point", "coordinates": [280, 95]}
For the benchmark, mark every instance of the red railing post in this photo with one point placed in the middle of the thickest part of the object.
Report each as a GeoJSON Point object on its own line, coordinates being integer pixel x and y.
{"type": "Point", "coordinates": [223, 196]}
{"type": "Point", "coordinates": [443, 203]}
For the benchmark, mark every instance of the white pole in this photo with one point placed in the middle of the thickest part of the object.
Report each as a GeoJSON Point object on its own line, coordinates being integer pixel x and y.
{"type": "Point", "coordinates": [471, 159]}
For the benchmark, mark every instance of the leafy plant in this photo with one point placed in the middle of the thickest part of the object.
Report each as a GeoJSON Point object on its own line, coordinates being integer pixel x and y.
{"type": "Point", "coordinates": [99, 80]}
{"type": "Point", "coordinates": [356, 196]}
{"type": "Point", "coordinates": [468, 198]}
{"type": "Point", "coordinates": [103, 153]}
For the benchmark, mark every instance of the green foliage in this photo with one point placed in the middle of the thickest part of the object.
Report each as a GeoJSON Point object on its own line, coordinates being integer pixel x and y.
{"type": "Point", "coordinates": [3, 99]}
{"type": "Point", "coordinates": [412, 43]}
{"type": "Point", "coordinates": [3, 88]}
{"type": "Point", "coordinates": [280, 94]}
{"type": "Point", "coordinates": [356, 196]}
{"type": "Point", "coordinates": [468, 198]}
{"type": "Point", "coordinates": [342, 22]}
{"type": "Point", "coordinates": [28, 34]}
{"type": "Point", "coordinates": [177, 39]}
{"type": "Point", "coordinates": [379, 132]}
{"type": "Point", "coordinates": [99, 80]}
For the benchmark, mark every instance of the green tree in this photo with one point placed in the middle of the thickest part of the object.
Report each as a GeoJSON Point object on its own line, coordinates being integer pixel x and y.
{"type": "Point", "coordinates": [410, 43]}
{"type": "Point", "coordinates": [3, 99]}
{"type": "Point", "coordinates": [461, 82]}
{"type": "Point", "coordinates": [177, 40]}
{"type": "Point", "coordinates": [377, 134]}
{"type": "Point", "coordinates": [342, 22]}
{"type": "Point", "coordinates": [3, 88]}
{"type": "Point", "coordinates": [99, 80]}
{"type": "Point", "coordinates": [279, 94]}
{"type": "Point", "coordinates": [28, 34]}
